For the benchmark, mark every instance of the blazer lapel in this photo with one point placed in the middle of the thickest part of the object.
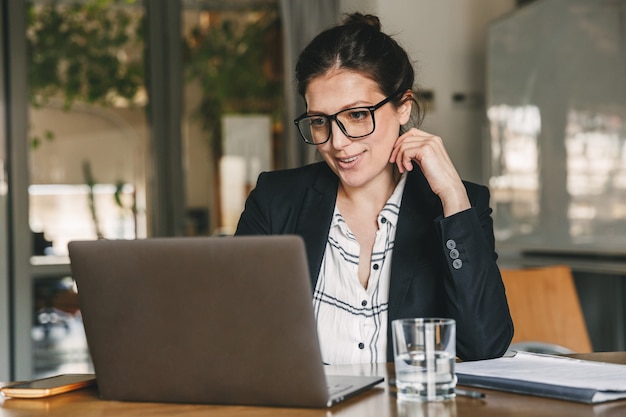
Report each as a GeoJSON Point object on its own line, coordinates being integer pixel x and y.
{"type": "Point", "coordinates": [316, 216]}
{"type": "Point", "coordinates": [415, 221]}
{"type": "Point", "coordinates": [420, 206]}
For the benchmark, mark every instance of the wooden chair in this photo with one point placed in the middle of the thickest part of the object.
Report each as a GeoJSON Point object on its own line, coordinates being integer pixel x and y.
{"type": "Point", "coordinates": [546, 310]}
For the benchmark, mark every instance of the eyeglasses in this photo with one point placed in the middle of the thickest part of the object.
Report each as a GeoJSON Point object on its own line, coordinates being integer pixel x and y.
{"type": "Point", "coordinates": [355, 123]}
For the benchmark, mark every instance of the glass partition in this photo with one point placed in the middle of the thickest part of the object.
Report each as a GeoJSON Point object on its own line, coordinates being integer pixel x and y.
{"type": "Point", "coordinates": [88, 129]}
{"type": "Point", "coordinates": [91, 145]}
{"type": "Point", "coordinates": [232, 106]}
{"type": "Point", "coordinates": [557, 115]}
{"type": "Point", "coordinates": [88, 151]}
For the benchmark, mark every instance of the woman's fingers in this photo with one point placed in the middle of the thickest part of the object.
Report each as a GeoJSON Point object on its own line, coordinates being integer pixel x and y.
{"type": "Point", "coordinates": [429, 152]}
{"type": "Point", "coordinates": [421, 147]}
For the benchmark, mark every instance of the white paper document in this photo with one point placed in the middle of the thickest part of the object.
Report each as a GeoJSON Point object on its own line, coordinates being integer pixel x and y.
{"type": "Point", "coordinates": [548, 376]}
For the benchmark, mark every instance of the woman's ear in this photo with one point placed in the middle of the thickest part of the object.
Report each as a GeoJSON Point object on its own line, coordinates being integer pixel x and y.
{"type": "Point", "coordinates": [404, 110]}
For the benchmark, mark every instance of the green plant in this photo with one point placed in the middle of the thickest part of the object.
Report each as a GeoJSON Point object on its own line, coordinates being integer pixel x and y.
{"type": "Point", "coordinates": [83, 52]}
{"type": "Point", "coordinates": [235, 63]}
{"type": "Point", "coordinates": [92, 52]}
{"type": "Point", "coordinates": [80, 52]}
{"type": "Point", "coordinates": [91, 183]}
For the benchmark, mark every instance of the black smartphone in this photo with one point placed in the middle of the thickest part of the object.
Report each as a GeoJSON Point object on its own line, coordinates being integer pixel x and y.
{"type": "Point", "coordinates": [45, 387]}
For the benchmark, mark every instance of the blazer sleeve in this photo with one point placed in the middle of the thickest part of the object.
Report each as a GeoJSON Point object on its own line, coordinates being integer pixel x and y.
{"type": "Point", "coordinates": [473, 284]}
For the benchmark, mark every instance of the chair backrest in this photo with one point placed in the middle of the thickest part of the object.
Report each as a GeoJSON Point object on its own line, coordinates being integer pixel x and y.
{"type": "Point", "coordinates": [545, 308]}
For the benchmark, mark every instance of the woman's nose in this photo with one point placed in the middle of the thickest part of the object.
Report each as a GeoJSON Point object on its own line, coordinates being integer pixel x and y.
{"type": "Point", "coordinates": [337, 137]}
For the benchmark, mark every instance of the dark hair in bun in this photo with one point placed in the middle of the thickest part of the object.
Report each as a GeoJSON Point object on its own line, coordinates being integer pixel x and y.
{"type": "Point", "coordinates": [358, 44]}
{"type": "Point", "coordinates": [362, 19]}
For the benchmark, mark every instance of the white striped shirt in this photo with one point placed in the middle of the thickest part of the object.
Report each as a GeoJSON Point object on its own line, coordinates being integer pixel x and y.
{"type": "Point", "coordinates": [351, 319]}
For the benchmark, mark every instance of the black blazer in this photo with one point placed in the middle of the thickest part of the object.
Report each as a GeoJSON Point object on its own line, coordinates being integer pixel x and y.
{"type": "Point", "coordinates": [441, 267]}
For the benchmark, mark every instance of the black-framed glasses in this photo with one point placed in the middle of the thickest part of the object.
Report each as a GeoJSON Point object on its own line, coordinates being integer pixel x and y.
{"type": "Point", "coordinates": [355, 123]}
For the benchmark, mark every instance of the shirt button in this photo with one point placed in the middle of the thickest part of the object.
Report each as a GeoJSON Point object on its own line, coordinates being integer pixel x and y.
{"type": "Point", "coordinates": [454, 254]}
{"type": "Point", "coordinates": [451, 244]}
{"type": "Point", "coordinates": [383, 220]}
{"type": "Point", "coordinates": [457, 264]}
{"type": "Point", "coordinates": [364, 303]}
{"type": "Point", "coordinates": [361, 346]}
{"type": "Point", "coordinates": [375, 267]}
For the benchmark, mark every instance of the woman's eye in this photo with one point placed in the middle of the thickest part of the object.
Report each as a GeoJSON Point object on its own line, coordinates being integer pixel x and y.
{"type": "Point", "coordinates": [356, 115]}
{"type": "Point", "coordinates": [318, 121]}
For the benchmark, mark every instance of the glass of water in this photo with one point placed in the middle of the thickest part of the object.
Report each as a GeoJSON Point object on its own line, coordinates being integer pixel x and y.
{"type": "Point", "coordinates": [424, 351]}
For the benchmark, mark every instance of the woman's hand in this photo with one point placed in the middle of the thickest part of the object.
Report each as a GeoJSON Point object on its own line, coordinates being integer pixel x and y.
{"type": "Point", "coordinates": [429, 153]}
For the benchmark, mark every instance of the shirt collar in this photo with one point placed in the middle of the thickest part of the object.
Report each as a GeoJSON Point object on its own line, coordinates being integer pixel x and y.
{"type": "Point", "coordinates": [392, 207]}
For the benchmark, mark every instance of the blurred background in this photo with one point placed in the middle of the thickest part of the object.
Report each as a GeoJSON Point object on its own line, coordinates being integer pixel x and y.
{"type": "Point", "coordinates": [126, 119]}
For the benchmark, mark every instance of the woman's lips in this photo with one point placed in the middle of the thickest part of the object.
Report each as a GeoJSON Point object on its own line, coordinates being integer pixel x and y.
{"type": "Point", "coordinates": [348, 162]}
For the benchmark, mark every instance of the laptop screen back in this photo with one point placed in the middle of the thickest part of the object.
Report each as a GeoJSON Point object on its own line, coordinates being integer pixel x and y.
{"type": "Point", "coordinates": [223, 320]}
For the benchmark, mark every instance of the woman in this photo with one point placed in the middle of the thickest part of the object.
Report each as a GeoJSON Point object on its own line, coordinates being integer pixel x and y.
{"type": "Point", "coordinates": [391, 230]}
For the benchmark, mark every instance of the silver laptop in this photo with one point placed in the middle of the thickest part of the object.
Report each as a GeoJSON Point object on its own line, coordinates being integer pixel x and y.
{"type": "Point", "coordinates": [219, 320]}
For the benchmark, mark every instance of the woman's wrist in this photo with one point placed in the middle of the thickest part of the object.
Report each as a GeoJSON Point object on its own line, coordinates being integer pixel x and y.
{"type": "Point", "coordinates": [455, 202]}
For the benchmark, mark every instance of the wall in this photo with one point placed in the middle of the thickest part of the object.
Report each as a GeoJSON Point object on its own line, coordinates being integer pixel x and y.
{"type": "Point", "coordinates": [447, 39]}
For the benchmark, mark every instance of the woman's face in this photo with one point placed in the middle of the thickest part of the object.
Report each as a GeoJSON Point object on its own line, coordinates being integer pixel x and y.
{"type": "Point", "coordinates": [362, 162]}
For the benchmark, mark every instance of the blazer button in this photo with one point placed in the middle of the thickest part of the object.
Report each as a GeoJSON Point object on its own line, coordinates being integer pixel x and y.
{"type": "Point", "coordinates": [450, 244]}
{"type": "Point", "coordinates": [454, 254]}
{"type": "Point", "coordinates": [457, 264]}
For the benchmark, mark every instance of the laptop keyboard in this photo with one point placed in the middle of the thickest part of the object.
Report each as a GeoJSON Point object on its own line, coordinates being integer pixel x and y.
{"type": "Point", "coordinates": [335, 389]}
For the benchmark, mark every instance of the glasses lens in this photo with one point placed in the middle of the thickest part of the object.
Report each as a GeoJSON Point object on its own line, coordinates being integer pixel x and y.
{"type": "Point", "coordinates": [356, 122]}
{"type": "Point", "coordinates": [314, 129]}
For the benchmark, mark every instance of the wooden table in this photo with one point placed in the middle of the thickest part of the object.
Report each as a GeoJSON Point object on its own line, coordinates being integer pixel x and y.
{"type": "Point", "coordinates": [378, 402]}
